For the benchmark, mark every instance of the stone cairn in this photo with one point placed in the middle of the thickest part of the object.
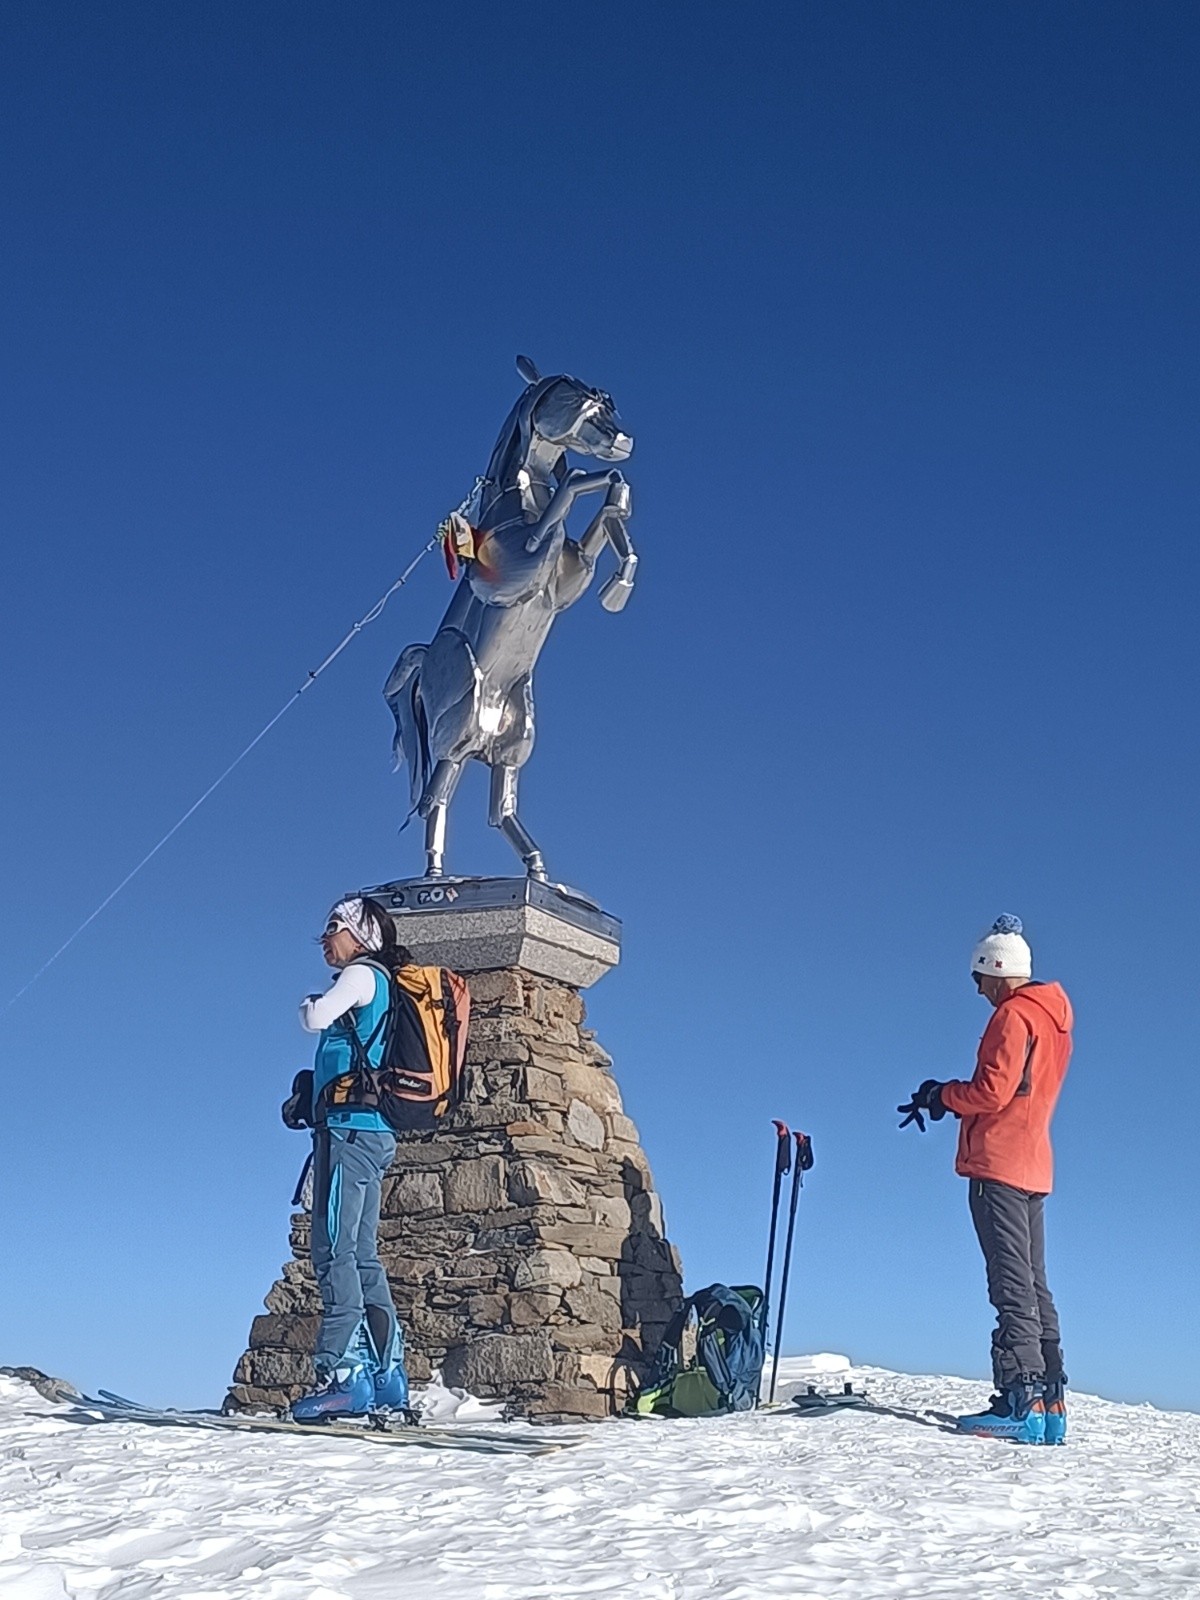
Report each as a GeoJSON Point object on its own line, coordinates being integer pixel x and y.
{"type": "Point", "coordinates": [523, 1239]}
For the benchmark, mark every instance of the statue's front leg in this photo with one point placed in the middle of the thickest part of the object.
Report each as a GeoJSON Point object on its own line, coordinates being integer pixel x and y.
{"type": "Point", "coordinates": [572, 486]}
{"type": "Point", "coordinates": [610, 526]}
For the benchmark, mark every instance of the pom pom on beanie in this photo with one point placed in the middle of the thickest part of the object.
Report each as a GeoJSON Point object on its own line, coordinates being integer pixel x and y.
{"type": "Point", "coordinates": [1003, 951]}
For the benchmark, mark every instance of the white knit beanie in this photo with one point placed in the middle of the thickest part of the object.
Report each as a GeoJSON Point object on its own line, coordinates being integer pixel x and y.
{"type": "Point", "coordinates": [1003, 952]}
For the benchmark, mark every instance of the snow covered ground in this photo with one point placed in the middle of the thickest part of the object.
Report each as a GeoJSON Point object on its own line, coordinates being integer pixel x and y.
{"type": "Point", "coordinates": [862, 1506]}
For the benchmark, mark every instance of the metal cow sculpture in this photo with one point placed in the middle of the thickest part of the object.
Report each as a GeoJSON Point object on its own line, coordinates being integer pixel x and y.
{"type": "Point", "coordinates": [468, 695]}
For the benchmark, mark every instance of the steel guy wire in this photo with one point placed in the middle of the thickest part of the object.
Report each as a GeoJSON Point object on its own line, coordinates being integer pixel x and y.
{"type": "Point", "coordinates": [370, 616]}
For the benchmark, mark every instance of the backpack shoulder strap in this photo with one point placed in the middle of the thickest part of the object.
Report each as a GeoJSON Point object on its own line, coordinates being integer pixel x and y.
{"type": "Point", "coordinates": [655, 1388]}
{"type": "Point", "coordinates": [723, 1316]}
{"type": "Point", "coordinates": [456, 997]}
{"type": "Point", "coordinates": [371, 961]}
{"type": "Point", "coordinates": [360, 1051]}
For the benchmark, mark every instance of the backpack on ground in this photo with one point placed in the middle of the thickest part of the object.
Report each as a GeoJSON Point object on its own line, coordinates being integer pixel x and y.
{"type": "Point", "coordinates": [424, 1031]}
{"type": "Point", "coordinates": [725, 1373]}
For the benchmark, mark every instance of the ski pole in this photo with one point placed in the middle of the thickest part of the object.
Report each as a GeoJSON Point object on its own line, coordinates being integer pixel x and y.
{"type": "Point", "coordinates": [783, 1164]}
{"type": "Point", "coordinates": [804, 1160]}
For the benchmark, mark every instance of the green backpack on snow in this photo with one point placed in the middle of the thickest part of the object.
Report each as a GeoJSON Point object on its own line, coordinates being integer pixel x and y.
{"type": "Point", "coordinates": [725, 1373]}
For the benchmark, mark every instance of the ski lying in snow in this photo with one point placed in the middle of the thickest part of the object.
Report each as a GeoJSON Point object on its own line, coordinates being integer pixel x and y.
{"type": "Point", "coordinates": [820, 1404]}
{"type": "Point", "coordinates": [113, 1408]}
{"type": "Point", "coordinates": [377, 1431]}
{"type": "Point", "coordinates": [378, 1422]}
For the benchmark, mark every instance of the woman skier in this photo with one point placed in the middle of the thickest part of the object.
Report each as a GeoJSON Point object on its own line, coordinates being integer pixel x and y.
{"type": "Point", "coordinates": [359, 1359]}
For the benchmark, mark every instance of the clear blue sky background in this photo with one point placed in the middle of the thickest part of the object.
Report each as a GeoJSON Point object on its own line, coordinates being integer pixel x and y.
{"type": "Point", "coordinates": [900, 302]}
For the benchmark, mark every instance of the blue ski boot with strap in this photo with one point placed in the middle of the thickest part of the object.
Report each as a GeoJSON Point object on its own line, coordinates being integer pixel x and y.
{"type": "Point", "coordinates": [386, 1362]}
{"type": "Point", "coordinates": [1019, 1415]}
{"type": "Point", "coordinates": [391, 1388]}
{"type": "Point", "coordinates": [1054, 1398]}
{"type": "Point", "coordinates": [347, 1391]}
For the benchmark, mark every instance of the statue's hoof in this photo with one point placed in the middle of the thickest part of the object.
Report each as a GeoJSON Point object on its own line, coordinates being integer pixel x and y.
{"type": "Point", "coordinates": [615, 593]}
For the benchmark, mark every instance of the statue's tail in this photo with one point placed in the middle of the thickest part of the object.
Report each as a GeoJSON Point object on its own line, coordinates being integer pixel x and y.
{"type": "Point", "coordinates": [402, 692]}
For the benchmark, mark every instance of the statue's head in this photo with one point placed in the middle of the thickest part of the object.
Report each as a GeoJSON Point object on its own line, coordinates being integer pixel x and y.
{"type": "Point", "coordinates": [572, 415]}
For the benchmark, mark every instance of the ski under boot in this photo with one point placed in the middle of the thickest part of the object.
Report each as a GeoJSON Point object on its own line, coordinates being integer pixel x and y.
{"type": "Point", "coordinates": [1019, 1414]}
{"type": "Point", "coordinates": [1054, 1397]}
{"type": "Point", "coordinates": [345, 1392]}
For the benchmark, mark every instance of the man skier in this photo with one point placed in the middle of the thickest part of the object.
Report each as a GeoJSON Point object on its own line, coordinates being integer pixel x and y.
{"type": "Point", "coordinates": [1004, 1151]}
{"type": "Point", "coordinates": [359, 1356]}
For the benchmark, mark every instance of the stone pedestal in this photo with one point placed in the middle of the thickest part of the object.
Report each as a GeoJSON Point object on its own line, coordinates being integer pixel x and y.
{"type": "Point", "coordinates": [523, 1239]}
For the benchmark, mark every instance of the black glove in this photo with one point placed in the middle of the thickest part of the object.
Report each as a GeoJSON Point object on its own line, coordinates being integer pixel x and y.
{"type": "Point", "coordinates": [927, 1098]}
{"type": "Point", "coordinates": [297, 1109]}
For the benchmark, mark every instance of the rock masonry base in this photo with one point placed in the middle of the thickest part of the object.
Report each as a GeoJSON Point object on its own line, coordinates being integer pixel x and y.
{"type": "Point", "coordinates": [524, 1241]}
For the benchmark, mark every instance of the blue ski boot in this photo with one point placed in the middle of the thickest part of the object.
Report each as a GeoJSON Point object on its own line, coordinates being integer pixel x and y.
{"type": "Point", "coordinates": [1018, 1414]}
{"type": "Point", "coordinates": [388, 1367]}
{"type": "Point", "coordinates": [391, 1388]}
{"type": "Point", "coordinates": [347, 1391]}
{"type": "Point", "coordinates": [1054, 1397]}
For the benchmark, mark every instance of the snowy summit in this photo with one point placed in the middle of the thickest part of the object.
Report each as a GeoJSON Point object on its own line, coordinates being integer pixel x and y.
{"type": "Point", "coordinates": [865, 1505]}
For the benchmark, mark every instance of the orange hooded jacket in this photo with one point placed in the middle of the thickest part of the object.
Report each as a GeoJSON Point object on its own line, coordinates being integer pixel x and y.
{"type": "Point", "coordinates": [1007, 1106]}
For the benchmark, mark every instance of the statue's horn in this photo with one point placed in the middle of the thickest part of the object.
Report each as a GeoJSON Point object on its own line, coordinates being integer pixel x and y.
{"type": "Point", "coordinates": [527, 370]}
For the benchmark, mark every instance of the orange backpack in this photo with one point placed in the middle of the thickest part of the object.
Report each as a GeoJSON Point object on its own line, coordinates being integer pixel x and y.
{"type": "Point", "coordinates": [424, 1031]}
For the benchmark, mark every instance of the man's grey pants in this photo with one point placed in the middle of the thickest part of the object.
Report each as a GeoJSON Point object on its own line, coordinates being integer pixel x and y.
{"type": "Point", "coordinates": [1010, 1226]}
{"type": "Point", "coordinates": [349, 1166]}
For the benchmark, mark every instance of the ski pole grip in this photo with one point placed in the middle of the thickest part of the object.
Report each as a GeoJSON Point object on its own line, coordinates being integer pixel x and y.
{"type": "Point", "coordinates": [783, 1150]}
{"type": "Point", "coordinates": [804, 1152]}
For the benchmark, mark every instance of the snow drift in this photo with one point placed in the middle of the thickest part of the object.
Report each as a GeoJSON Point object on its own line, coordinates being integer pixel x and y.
{"type": "Point", "coordinates": [855, 1505]}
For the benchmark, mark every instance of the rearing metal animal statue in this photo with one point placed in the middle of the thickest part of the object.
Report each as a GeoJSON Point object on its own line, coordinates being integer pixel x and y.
{"type": "Point", "coordinates": [469, 693]}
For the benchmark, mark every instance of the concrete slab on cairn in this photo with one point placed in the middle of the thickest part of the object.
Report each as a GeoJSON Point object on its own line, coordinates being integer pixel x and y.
{"type": "Point", "coordinates": [523, 1240]}
{"type": "Point", "coordinates": [486, 923]}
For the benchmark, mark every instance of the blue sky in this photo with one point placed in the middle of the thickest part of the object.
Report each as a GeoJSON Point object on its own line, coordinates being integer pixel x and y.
{"type": "Point", "coordinates": [900, 303]}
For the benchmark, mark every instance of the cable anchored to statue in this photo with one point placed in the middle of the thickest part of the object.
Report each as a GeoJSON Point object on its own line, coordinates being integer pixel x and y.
{"type": "Point", "coordinates": [468, 694]}
{"type": "Point", "coordinates": [363, 621]}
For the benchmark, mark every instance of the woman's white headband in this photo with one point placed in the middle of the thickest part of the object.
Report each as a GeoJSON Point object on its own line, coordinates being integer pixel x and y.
{"type": "Point", "coordinates": [349, 914]}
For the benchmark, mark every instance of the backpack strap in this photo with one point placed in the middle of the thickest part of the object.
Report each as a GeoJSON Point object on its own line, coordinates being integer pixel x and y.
{"type": "Point", "coordinates": [726, 1318]}
{"type": "Point", "coordinates": [360, 1053]}
{"type": "Point", "coordinates": [655, 1389]}
{"type": "Point", "coordinates": [716, 1316]}
{"type": "Point", "coordinates": [667, 1360]}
